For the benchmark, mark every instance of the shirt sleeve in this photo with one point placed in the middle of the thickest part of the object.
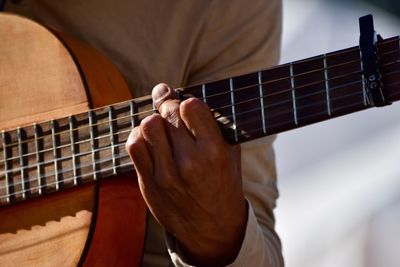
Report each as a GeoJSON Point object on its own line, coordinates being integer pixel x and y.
{"type": "Point", "coordinates": [240, 38]}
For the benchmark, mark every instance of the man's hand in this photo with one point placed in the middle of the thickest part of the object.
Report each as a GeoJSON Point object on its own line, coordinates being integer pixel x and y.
{"type": "Point", "coordinates": [190, 178]}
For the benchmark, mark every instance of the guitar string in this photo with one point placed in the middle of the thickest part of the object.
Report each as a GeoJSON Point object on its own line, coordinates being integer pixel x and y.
{"type": "Point", "coordinates": [118, 157]}
{"type": "Point", "coordinates": [60, 182]}
{"type": "Point", "coordinates": [35, 178]}
{"type": "Point", "coordinates": [129, 164]}
{"type": "Point", "coordinates": [296, 98]}
{"type": "Point", "coordinates": [332, 89]}
{"type": "Point", "coordinates": [216, 117]}
{"type": "Point", "coordinates": [219, 108]}
{"type": "Point", "coordinates": [290, 112]}
{"type": "Point", "coordinates": [81, 154]}
{"type": "Point", "coordinates": [153, 110]}
{"type": "Point", "coordinates": [297, 76]}
{"type": "Point", "coordinates": [314, 114]}
{"type": "Point", "coordinates": [111, 168]}
{"type": "Point", "coordinates": [228, 92]}
{"type": "Point", "coordinates": [107, 147]}
{"type": "Point", "coordinates": [207, 98]}
{"type": "Point", "coordinates": [236, 104]}
{"type": "Point", "coordinates": [212, 110]}
{"type": "Point", "coordinates": [95, 172]}
{"type": "Point", "coordinates": [122, 155]}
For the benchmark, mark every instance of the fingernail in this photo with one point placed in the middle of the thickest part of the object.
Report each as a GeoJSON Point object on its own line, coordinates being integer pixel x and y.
{"type": "Point", "coordinates": [160, 92]}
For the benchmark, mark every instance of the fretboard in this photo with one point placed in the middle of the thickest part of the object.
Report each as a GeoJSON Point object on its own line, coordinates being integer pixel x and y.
{"type": "Point", "coordinates": [59, 154]}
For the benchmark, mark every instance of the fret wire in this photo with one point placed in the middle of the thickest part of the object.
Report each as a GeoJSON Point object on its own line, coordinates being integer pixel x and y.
{"type": "Point", "coordinates": [6, 166]}
{"type": "Point", "coordinates": [9, 145]}
{"type": "Point", "coordinates": [98, 161]}
{"type": "Point", "coordinates": [244, 112]}
{"type": "Point", "coordinates": [133, 111]}
{"type": "Point", "coordinates": [297, 97]}
{"type": "Point", "coordinates": [273, 125]}
{"type": "Point", "coordinates": [21, 161]}
{"type": "Point", "coordinates": [282, 102]}
{"type": "Point", "coordinates": [103, 136]}
{"type": "Point", "coordinates": [304, 96]}
{"type": "Point", "coordinates": [268, 82]}
{"type": "Point", "coordinates": [298, 75]}
{"type": "Point", "coordinates": [314, 114]}
{"type": "Point", "coordinates": [85, 126]}
{"type": "Point", "coordinates": [364, 90]}
{"type": "Point", "coordinates": [123, 117]}
{"type": "Point", "coordinates": [293, 94]}
{"type": "Point", "coordinates": [55, 156]}
{"type": "Point", "coordinates": [237, 89]}
{"type": "Point", "coordinates": [328, 101]}
{"type": "Point", "coordinates": [93, 144]}
{"type": "Point", "coordinates": [233, 108]}
{"type": "Point", "coordinates": [112, 140]}
{"type": "Point", "coordinates": [260, 87]}
{"type": "Point", "coordinates": [38, 157]}
{"type": "Point", "coordinates": [203, 92]}
{"type": "Point", "coordinates": [73, 148]}
{"type": "Point", "coordinates": [129, 164]}
{"type": "Point", "coordinates": [82, 154]}
{"type": "Point", "coordinates": [288, 77]}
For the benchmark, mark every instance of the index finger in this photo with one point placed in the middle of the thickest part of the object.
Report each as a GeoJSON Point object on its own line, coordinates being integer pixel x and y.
{"type": "Point", "coordinates": [168, 105]}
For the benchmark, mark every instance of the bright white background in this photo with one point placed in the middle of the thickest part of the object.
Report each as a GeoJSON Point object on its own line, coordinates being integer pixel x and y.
{"type": "Point", "coordinates": [339, 180]}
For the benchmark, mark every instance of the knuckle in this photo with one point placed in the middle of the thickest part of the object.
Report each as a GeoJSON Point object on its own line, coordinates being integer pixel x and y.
{"type": "Point", "coordinates": [188, 165]}
{"type": "Point", "coordinates": [193, 106]}
{"type": "Point", "coordinates": [134, 140]}
{"type": "Point", "coordinates": [170, 112]}
{"type": "Point", "coordinates": [151, 124]}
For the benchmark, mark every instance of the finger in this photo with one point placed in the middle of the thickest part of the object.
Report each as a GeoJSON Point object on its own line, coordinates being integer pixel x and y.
{"type": "Point", "coordinates": [199, 120]}
{"type": "Point", "coordinates": [162, 92]}
{"type": "Point", "coordinates": [168, 106]}
{"type": "Point", "coordinates": [139, 154]}
{"type": "Point", "coordinates": [154, 133]}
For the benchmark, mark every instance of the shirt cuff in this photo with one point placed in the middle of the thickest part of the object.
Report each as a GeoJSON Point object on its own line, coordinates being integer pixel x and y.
{"type": "Point", "coordinates": [253, 252]}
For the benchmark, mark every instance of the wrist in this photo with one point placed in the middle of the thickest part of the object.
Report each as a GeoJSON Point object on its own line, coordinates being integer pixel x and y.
{"type": "Point", "coordinates": [219, 245]}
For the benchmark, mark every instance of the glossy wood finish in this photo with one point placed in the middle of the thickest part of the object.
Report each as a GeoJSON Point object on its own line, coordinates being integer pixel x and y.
{"type": "Point", "coordinates": [120, 224]}
{"type": "Point", "coordinates": [42, 82]}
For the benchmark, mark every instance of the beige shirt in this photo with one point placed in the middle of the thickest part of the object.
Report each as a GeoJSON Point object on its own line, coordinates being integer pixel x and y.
{"type": "Point", "coordinates": [182, 42]}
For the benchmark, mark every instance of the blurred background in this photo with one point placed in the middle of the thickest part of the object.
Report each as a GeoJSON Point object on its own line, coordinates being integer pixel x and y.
{"type": "Point", "coordinates": [339, 180]}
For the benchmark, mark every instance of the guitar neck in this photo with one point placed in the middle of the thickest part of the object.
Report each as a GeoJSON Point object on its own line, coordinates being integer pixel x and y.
{"type": "Point", "coordinates": [58, 154]}
{"type": "Point", "coordinates": [298, 93]}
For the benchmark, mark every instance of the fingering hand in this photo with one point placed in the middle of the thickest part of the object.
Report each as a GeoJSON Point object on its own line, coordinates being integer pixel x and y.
{"type": "Point", "coordinates": [190, 178]}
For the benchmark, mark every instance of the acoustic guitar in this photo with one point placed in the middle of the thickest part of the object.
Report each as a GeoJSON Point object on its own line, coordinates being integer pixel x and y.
{"type": "Point", "coordinates": [68, 194]}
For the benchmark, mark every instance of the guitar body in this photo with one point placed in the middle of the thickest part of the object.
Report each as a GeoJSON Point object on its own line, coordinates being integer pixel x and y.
{"type": "Point", "coordinates": [43, 76]}
{"type": "Point", "coordinates": [49, 77]}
